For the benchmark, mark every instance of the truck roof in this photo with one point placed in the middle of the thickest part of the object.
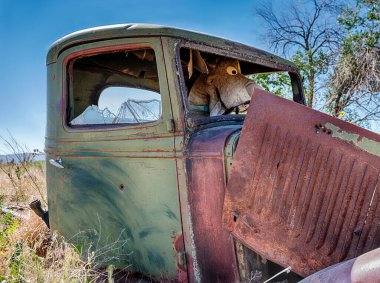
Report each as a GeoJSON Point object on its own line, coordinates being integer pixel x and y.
{"type": "Point", "coordinates": [141, 30]}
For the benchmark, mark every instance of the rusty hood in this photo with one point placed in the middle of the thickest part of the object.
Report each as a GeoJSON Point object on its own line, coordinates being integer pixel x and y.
{"type": "Point", "coordinates": [303, 189]}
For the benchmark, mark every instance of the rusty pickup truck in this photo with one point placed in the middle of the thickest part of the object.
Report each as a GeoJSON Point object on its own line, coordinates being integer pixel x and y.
{"type": "Point", "coordinates": [170, 156]}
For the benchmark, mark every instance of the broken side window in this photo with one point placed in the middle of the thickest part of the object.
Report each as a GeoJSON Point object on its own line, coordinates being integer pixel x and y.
{"type": "Point", "coordinates": [114, 88]}
{"type": "Point", "coordinates": [218, 85]}
{"type": "Point", "coordinates": [278, 83]}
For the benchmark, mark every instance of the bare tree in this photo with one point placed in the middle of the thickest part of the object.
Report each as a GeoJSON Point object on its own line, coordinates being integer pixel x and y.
{"type": "Point", "coordinates": [355, 80]}
{"type": "Point", "coordinates": [355, 85]}
{"type": "Point", "coordinates": [307, 35]}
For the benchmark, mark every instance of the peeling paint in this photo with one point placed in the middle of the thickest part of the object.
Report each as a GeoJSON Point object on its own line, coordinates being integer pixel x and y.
{"type": "Point", "coordinates": [363, 143]}
{"type": "Point", "coordinates": [197, 273]}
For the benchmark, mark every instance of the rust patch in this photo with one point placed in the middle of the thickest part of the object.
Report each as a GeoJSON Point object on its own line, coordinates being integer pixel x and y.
{"type": "Point", "coordinates": [298, 195]}
{"type": "Point", "coordinates": [212, 245]}
{"type": "Point", "coordinates": [179, 247]}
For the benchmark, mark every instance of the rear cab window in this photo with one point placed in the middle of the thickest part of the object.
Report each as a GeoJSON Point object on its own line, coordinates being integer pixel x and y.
{"type": "Point", "coordinates": [117, 88]}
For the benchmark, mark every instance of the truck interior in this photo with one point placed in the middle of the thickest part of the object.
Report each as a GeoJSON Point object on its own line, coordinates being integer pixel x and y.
{"type": "Point", "coordinates": [217, 85]}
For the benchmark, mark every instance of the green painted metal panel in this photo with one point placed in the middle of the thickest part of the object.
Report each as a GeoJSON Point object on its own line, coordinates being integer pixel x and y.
{"type": "Point", "coordinates": [126, 208]}
{"type": "Point", "coordinates": [118, 192]}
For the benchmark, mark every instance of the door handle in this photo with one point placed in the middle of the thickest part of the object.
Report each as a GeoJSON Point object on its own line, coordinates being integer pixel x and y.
{"type": "Point", "coordinates": [56, 162]}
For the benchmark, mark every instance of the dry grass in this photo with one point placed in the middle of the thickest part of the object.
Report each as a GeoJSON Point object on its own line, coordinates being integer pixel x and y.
{"type": "Point", "coordinates": [19, 186]}
{"type": "Point", "coordinates": [29, 251]}
{"type": "Point", "coordinates": [33, 254]}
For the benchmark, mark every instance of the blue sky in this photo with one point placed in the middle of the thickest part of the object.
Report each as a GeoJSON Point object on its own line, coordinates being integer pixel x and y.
{"type": "Point", "coordinates": [28, 28]}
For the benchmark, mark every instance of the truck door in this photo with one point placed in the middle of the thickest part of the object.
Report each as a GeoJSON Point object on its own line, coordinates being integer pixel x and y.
{"type": "Point", "coordinates": [303, 190]}
{"type": "Point", "coordinates": [117, 193]}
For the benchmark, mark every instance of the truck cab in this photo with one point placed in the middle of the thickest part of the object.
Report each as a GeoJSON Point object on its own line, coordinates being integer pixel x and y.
{"type": "Point", "coordinates": [161, 166]}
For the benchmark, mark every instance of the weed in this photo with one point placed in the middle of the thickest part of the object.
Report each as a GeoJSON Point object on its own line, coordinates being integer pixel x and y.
{"type": "Point", "coordinates": [8, 225]}
{"type": "Point", "coordinates": [29, 251]}
{"type": "Point", "coordinates": [22, 172]}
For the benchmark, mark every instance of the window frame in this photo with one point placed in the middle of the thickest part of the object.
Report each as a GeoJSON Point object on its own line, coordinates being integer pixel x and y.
{"type": "Point", "coordinates": [71, 54]}
{"type": "Point", "coordinates": [295, 78]}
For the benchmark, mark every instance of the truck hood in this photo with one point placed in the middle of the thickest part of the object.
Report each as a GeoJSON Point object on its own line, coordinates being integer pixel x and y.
{"type": "Point", "coordinates": [303, 189]}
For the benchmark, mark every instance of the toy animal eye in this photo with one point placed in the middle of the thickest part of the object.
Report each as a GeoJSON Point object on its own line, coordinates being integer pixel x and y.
{"type": "Point", "coordinates": [232, 71]}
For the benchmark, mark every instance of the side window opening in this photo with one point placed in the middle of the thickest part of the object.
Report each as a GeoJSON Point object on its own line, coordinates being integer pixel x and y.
{"type": "Point", "coordinates": [278, 83]}
{"type": "Point", "coordinates": [114, 88]}
{"type": "Point", "coordinates": [218, 85]}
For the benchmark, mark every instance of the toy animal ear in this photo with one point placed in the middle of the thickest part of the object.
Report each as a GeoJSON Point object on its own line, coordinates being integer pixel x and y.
{"type": "Point", "coordinates": [196, 62]}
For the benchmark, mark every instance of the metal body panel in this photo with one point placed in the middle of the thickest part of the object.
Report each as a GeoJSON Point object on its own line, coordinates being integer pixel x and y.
{"type": "Point", "coordinates": [124, 207]}
{"type": "Point", "coordinates": [118, 190]}
{"type": "Point", "coordinates": [213, 258]}
{"type": "Point", "coordinates": [149, 30]}
{"type": "Point", "coordinates": [299, 193]}
{"type": "Point", "coordinates": [365, 268]}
